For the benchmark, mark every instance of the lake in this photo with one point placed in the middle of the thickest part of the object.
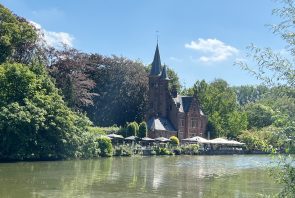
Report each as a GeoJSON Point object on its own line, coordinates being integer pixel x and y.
{"type": "Point", "coordinates": [167, 176]}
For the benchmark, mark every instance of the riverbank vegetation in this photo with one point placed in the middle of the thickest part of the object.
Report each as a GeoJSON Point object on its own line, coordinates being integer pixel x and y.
{"type": "Point", "coordinates": [54, 103]}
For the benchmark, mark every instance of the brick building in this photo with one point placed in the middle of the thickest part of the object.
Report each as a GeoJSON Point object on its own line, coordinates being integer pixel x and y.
{"type": "Point", "coordinates": [169, 113]}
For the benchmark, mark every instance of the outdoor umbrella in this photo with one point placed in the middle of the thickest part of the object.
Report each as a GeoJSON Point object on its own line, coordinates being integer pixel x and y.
{"type": "Point", "coordinates": [131, 138]}
{"type": "Point", "coordinates": [147, 139]}
{"type": "Point", "coordinates": [162, 139]}
{"type": "Point", "coordinates": [115, 136]}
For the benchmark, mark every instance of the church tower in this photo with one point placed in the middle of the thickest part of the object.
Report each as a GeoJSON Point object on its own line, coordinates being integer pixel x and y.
{"type": "Point", "coordinates": [158, 88]}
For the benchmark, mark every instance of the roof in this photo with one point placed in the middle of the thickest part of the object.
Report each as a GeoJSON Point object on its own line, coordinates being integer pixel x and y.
{"type": "Point", "coordinates": [156, 64]}
{"type": "Point", "coordinates": [185, 103]}
{"type": "Point", "coordinates": [160, 124]}
{"type": "Point", "coordinates": [164, 74]}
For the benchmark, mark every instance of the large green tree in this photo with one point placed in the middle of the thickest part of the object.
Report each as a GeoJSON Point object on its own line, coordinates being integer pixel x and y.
{"type": "Point", "coordinates": [35, 123]}
{"type": "Point", "coordinates": [259, 115]}
{"type": "Point", "coordinates": [276, 69]}
{"type": "Point", "coordinates": [219, 103]}
{"type": "Point", "coordinates": [18, 38]}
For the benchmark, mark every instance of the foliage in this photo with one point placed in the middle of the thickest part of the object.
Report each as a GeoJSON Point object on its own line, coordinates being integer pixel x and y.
{"type": "Point", "coordinates": [190, 149]}
{"type": "Point", "coordinates": [249, 93]}
{"type": "Point", "coordinates": [122, 150]}
{"type": "Point", "coordinates": [18, 38]}
{"type": "Point", "coordinates": [121, 86]}
{"type": "Point", "coordinates": [253, 142]}
{"type": "Point", "coordinates": [277, 70]}
{"type": "Point", "coordinates": [70, 69]}
{"type": "Point", "coordinates": [111, 129]}
{"type": "Point", "coordinates": [132, 129]}
{"type": "Point", "coordinates": [270, 139]}
{"type": "Point", "coordinates": [285, 175]}
{"type": "Point", "coordinates": [96, 130]}
{"type": "Point", "coordinates": [259, 115]}
{"type": "Point", "coordinates": [142, 132]}
{"type": "Point", "coordinates": [105, 146]}
{"type": "Point", "coordinates": [163, 151]}
{"type": "Point", "coordinates": [177, 150]}
{"type": "Point", "coordinates": [218, 101]}
{"type": "Point", "coordinates": [34, 121]}
{"type": "Point", "coordinates": [174, 140]}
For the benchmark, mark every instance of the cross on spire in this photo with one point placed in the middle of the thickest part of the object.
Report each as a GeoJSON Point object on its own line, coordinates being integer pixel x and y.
{"type": "Point", "coordinates": [157, 34]}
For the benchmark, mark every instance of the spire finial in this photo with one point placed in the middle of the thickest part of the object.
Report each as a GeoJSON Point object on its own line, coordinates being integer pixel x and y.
{"type": "Point", "coordinates": [157, 33]}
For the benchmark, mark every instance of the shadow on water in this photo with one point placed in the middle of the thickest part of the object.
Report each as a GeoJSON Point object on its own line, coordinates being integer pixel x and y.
{"type": "Point", "coordinates": [178, 176]}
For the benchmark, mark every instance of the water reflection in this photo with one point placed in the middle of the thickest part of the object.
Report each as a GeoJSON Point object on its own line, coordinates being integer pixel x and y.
{"type": "Point", "coordinates": [178, 176]}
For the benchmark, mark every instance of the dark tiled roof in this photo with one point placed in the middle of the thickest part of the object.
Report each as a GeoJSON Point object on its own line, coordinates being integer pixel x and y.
{"type": "Point", "coordinates": [164, 74]}
{"type": "Point", "coordinates": [186, 102]}
{"type": "Point", "coordinates": [156, 64]}
{"type": "Point", "coordinates": [160, 124]}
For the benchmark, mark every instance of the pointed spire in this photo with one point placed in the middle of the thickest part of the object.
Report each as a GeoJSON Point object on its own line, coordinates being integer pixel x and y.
{"type": "Point", "coordinates": [156, 64]}
{"type": "Point", "coordinates": [164, 74]}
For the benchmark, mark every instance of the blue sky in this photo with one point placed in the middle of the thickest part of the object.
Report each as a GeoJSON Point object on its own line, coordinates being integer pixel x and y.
{"type": "Point", "coordinates": [198, 39]}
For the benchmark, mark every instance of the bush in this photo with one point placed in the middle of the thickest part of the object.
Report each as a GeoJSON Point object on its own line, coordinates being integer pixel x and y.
{"type": "Point", "coordinates": [177, 151]}
{"type": "Point", "coordinates": [190, 149]}
{"type": "Point", "coordinates": [174, 140]}
{"type": "Point", "coordinates": [96, 130]}
{"type": "Point", "coordinates": [142, 132]}
{"type": "Point", "coordinates": [105, 146]}
{"type": "Point", "coordinates": [163, 151]}
{"type": "Point", "coordinates": [123, 150]}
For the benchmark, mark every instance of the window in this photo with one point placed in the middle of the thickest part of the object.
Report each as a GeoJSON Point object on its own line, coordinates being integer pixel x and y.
{"type": "Point", "coordinates": [182, 122]}
{"type": "Point", "coordinates": [194, 123]}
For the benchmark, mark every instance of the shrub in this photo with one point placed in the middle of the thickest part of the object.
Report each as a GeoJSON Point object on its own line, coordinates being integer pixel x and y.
{"type": "Point", "coordinates": [105, 146]}
{"type": "Point", "coordinates": [190, 149]}
{"type": "Point", "coordinates": [142, 132]}
{"type": "Point", "coordinates": [123, 150]}
{"type": "Point", "coordinates": [174, 140]}
{"type": "Point", "coordinates": [96, 130]}
{"type": "Point", "coordinates": [177, 151]}
{"type": "Point", "coordinates": [163, 151]}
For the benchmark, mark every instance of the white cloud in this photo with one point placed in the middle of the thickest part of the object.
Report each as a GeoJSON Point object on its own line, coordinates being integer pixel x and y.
{"type": "Point", "coordinates": [55, 39]}
{"type": "Point", "coordinates": [214, 50]}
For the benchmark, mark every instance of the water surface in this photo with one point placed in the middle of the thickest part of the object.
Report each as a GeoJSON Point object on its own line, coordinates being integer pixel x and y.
{"type": "Point", "coordinates": [167, 176]}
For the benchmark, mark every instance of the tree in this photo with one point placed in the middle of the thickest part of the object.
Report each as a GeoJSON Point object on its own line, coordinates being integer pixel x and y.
{"type": "Point", "coordinates": [121, 86]}
{"type": "Point", "coordinates": [219, 102]}
{"type": "Point", "coordinates": [142, 132]}
{"type": "Point", "coordinates": [249, 93]}
{"type": "Point", "coordinates": [18, 38]}
{"type": "Point", "coordinates": [275, 69]}
{"type": "Point", "coordinates": [105, 146]}
{"type": "Point", "coordinates": [132, 129]}
{"type": "Point", "coordinates": [259, 115]}
{"type": "Point", "coordinates": [70, 69]}
{"type": "Point", "coordinates": [35, 123]}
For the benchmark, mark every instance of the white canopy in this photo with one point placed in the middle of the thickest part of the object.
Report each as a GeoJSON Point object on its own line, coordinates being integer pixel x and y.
{"type": "Point", "coordinates": [147, 139]}
{"type": "Point", "coordinates": [162, 139]}
{"type": "Point", "coordinates": [115, 136]}
{"type": "Point", "coordinates": [202, 140]}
